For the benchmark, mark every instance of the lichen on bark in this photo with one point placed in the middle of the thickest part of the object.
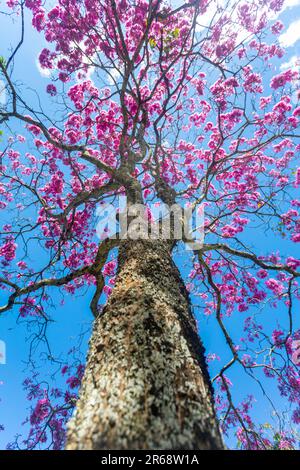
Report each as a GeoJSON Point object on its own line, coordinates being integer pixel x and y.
{"type": "Point", "coordinates": [146, 384]}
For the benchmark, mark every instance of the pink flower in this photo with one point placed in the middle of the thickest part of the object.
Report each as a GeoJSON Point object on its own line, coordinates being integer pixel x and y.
{"type": "Point", "coordinates": [51, 89]}
{"type": "Point", "coordinates": [73, 382]}
{"type": "Point", "coordinates": [275, 286]}
{"type": "Point", "coordinates": [64, 370]}
{"type": "Point", "coordinates": [110, 268]}
{"type": "Point", "coordinates": [12, 3]}
{"type": "Point", "coordinates": [278, 337]}
{"type": "Point", "coordinates": [22, 265]}
{"type": "Point", "coordinates": [277, 27]}
{"type": "Point", "coordinates": [243, 307]}
{"type": "Point", "coordinates": [296, 237]}
{"type": "Point", "coordinates": [296, 416]}
{"type": "Point", "coordinates": [41, 411]}
{"type": "Point", "coordinates": [262, 273]}
{"type": "Point", "coordinates": [283, 78]}
{"type": "Point", "coordinates": [8, 250]}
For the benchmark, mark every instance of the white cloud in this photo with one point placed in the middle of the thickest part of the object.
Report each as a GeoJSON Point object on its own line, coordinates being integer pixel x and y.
{"type": "Point", "coordinates": [205, 19]}
{"type": "Point", "coordinates": [44, 72]}
{"type": "Point", "coordinates": [86, 75]}
{"type": "Point", "coordinates": [290, 4]}
{"type": "Point", "coordinates": [292, 35]}
{"type": "Point", "coordinates": [114, 76]}
{"type": "Point", "coordinates": [293, 63]}
{"type": "Point", "coordinates": [86, 60]}
{"type": "Point", "coordinates": [219, 5]}
{"type": "Point", "coordinates": [231, 7]}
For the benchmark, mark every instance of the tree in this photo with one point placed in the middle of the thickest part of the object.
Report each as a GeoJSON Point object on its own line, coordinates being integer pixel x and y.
{"type": "Point", "coordinates": [161, 102]}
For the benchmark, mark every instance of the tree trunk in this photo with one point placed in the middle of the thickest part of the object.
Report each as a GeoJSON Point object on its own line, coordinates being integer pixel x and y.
{"type": "Point", "coordinates": [146, 384]}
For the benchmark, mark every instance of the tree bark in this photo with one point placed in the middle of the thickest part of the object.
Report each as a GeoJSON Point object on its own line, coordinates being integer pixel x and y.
{"type": "Point", "coordinates": [146, 384]}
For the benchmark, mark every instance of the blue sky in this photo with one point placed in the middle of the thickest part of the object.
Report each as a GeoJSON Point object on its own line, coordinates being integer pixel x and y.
{"type": "Point", "coordinates": [74, 317]}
